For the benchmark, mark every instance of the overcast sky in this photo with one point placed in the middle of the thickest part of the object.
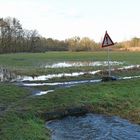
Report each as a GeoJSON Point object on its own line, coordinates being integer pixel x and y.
{"type": "Point", "coordinates": [61, 19]}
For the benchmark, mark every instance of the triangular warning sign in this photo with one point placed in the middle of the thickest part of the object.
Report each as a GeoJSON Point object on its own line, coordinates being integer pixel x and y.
{"type": "Point", "coordinates": [107, 41]}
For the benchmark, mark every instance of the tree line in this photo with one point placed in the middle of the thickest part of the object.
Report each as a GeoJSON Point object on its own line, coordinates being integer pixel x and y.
{"type": "Point", "coordinates": [134, 42]}
{"type": "Point", "coordinates": [14, 38]}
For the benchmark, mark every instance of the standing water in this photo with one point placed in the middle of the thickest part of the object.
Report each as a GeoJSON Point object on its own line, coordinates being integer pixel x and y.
{"type": "Point", "coordinates": [82, 64]}
{"type": "Point", "coordinates": [93, 127]}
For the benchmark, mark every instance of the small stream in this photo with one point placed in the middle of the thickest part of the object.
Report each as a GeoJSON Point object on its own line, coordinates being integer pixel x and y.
{"type": "Point", "coordinates": [93, 127]}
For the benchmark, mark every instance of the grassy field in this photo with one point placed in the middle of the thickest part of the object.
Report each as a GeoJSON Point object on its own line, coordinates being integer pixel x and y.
{"type": "Point", "coordinates": [31, 59]}
{"type": "Point", "coordinates": [22, 119]}
{"type": "Point", "coordinates": [32, 63]}
{"type": "Point", "coordinates": [21, 113]}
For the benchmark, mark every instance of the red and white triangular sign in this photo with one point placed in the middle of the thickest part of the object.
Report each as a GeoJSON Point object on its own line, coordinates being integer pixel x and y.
{"type": "Point", "coordinates": [107, 41]}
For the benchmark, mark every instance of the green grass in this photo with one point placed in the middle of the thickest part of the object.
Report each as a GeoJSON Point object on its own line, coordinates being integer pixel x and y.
{"type": "Point", "coordinates": [31, 59]}
{"type": "Point", "coordinates": [20, 113]}
{"type": "Point", "coordinates": [29, 63]}
{"type": "Point", "coordinates": [10, 93]}
{"type": "Point", "coordinates": [19, 128]}
{"type": "Point", "coordinates": [14, 126]}
{"type": "Point", "coordinates": [117, 98]}
{"type": "Point", "coordinates": [22, 120]}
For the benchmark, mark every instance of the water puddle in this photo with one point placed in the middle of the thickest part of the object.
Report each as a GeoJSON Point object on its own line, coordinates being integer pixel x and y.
{"type": "Point", "coordinates": [129, 67]}
{"type": "Point", "coordinates": [43, 92]}
{"type": "Point", "coordinates": [128, 77]}
{"type": "Point", "coordinates": [60, 75]}
{"type": "Point", "coordinates": [51, 76]}
{"type": "Point", "coordinates": [93, 127]}
{"type": "Point", "coordinates": [63, 84]}
{"type": "Point", "coordinates": [7, 76]}
{"type": "Point", "coordinates": [81, 64]}
{"type": "Point", "coordinates": [57, 85]}
{"type": "Point", "coordinates": [29, 81]}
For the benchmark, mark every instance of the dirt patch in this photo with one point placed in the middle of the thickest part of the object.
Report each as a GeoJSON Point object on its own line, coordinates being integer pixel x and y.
{"type": "Point", "coordinates": [61, 113]}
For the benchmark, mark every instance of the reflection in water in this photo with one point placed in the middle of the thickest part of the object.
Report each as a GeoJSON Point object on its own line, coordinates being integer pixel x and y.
{"type": "Point", "coordinates": [64, 84]}
{"type": "Point", "coordinates": [129, 67]}
{"type": "Point", "coordinates": [67, 84]}
{"type": "Point", "coordinates": [44, 92]}
{"type": "Point", "coordinates": [81, 64]}
{"type": "Point", "coordinates": [128, 77]}
{"type": "Point", "coordinates": [6, 75]}
{"type": "Point", "coordinates": [50, 76]}
{"type": "Point", "coordinates": [93, 127]}
{"type": "Point", "coordinates": [74, 74]}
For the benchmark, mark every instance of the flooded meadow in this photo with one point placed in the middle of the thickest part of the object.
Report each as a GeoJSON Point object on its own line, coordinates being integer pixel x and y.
{"type": "Point", "coordinates": [63, 80]}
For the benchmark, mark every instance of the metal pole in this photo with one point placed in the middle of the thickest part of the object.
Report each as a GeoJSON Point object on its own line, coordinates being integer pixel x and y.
{"type": "Point", "coordinates": [109, 70]}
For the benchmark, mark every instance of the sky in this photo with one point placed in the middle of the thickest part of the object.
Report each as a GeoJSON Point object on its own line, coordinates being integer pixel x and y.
{"type": "Point", "coordinates": [62, 19]}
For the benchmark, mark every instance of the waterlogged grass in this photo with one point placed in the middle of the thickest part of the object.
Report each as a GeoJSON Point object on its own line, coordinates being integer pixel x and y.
{"type": "Point", "coordinates": [30, 63]}
{"type": "Point", "coordinates": [20, 113]}
{"type": "Point", "coordinates": [31, 59]}
{"type": "Point", "coordinates": [43, 71]}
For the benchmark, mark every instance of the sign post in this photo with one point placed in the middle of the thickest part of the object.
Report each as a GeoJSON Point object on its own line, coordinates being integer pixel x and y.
{"type": "Point", "coordinates": [107, 41]}
{"type": "Point", "coordinates": [109, 68]}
